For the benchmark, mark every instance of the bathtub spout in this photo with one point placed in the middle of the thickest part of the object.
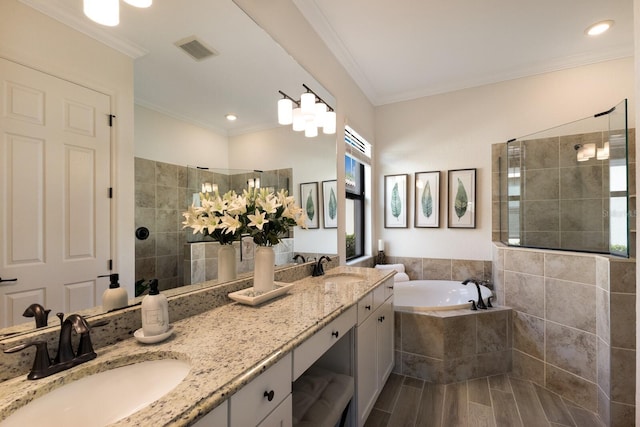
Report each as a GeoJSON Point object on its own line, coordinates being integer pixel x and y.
{"type": "Point", "coordinates": [480, 304]}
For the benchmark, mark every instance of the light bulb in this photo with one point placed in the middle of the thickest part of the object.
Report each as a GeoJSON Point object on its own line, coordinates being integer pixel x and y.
{"type": "Point", "coordinates": [329, 127]}
{"type": "Point", "coordinates": [321, 110]}
{"type": "Point", "coordinates": [299, 123]}
{"type": "Point", "coordinates": [104, 12]}
{"type": "Point", "coordinates": [308, 105]}
{"type": "Point", "coordinates": [285, 111]}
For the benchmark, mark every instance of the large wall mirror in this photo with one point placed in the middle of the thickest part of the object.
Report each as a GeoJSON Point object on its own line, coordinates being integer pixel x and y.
{"type": "Point", "coordinates": [181, 104]}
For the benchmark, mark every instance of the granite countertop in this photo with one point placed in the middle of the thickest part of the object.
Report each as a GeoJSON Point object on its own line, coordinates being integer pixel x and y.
{"type": "Point", "coordinates": [226, 347]}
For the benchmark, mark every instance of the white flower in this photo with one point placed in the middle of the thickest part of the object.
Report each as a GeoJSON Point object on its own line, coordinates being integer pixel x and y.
{"type": "Point", "coordinates": [230, 224]}
{"type": "Point", "coordinates": [269, 204]}
{"type": "Point", "coordinates": [258, 220]}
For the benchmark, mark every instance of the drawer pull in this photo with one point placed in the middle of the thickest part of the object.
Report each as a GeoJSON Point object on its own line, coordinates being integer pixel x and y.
{"type": "Point", "coordinates": [335, 334]}
{"type": "Point", "coordinates": [269, 395]}
{"type": "Point", "coordinates": [368, 307]}
{"type": "Point", "coordinates": [381, 319]}
{"type": "Point", "coordinates": [390, 287]}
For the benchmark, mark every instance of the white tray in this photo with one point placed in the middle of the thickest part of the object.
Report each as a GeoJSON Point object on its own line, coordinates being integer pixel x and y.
{"type": "Point", "coordinates": [247, 296]}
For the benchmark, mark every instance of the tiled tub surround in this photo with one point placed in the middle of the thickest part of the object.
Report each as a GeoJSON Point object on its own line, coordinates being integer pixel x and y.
{"type": "Point", "coordinates": [239, 343]}
{"type": "Point", "coordinates": [453, 345]}
{"type": "Point", "coordinates": [573, 325]}
{"type": "Point", "coordinates": [443, 268]}
{"type": "Point", "coordinates": [183, 303]}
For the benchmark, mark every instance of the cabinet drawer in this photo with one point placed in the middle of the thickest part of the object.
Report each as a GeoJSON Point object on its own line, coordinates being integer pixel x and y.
{"type": "Point", "coordinates": [216, 418]}
{"type": "Point", "coordinates": [251, 404]}
{"type": "Point", "coordinates": [388, 288]}
{"type": "Point", "coordinates": [281, 416]}
{"type": "Point", "coordinates": [365, 307]}
{"type": "Point", "coordinates": [310, 350]}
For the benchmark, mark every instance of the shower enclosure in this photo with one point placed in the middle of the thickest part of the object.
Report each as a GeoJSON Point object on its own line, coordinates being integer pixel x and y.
{"type": "Point", "coordinates": [568, 187]}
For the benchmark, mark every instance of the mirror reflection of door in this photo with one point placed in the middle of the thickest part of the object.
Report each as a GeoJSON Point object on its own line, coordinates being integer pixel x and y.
{"type": "Point", "coordinates": [54, 189]}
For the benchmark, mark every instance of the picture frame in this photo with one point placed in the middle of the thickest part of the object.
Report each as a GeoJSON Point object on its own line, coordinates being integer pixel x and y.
{"type": "Point", "coordinates": [427, 199]}
{"type": "Point", "coordinates": [330, 204]}
{"type": "Point", "coordinates": [461, 195]}
{"type": "Point", "coordinates": [396, 195]}
{"type": "Point", "coordinates": [309, 203]}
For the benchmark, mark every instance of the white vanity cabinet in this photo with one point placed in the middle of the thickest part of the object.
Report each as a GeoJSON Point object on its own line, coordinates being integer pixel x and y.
{"type": "Point", "coordinates": [219, 417]}
{"type": "Point", "coordinates": [374, 347]}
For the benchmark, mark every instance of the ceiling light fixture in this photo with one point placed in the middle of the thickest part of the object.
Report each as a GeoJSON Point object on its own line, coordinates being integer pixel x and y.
{"type": "Point", "coordinates": [598, 28]}
{"type": "Point", "coordinates": [107, 12]}
{"type": "Point", "coordinates": [231, 117]}
{"type": "Point", "coordinates": [308, 114]}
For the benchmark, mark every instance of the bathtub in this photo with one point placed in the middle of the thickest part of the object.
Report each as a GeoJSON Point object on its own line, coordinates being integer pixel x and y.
{"type": "Point", "coordinates": [428, 295]}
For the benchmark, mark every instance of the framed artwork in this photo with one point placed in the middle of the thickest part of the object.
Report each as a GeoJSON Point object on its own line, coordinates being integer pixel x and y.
{"type": "Point", "coordinates": [309, 203]}
{"type": "Point", "coordinates": [395, 201]}
{"type": "Point", "coordinates": [247, 249]}
{"type": "Point", "coordinates": [462, 198]}
{"type": "Point", "coordinates": [329, 204]}
{"type": "Point", "coordinates": [427, 199]}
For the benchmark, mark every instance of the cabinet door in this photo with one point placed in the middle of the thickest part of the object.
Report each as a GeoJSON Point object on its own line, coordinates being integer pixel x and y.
{"type": "Point", "coordinates": [367, 364]}
{"type": "Point", "coordinates": [384, 316]}
{"type": "Point", "coordinates": [281, 416]}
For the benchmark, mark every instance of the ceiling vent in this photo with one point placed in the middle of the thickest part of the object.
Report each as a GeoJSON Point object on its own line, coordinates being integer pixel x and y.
{"type": "Point", "coordinates": [195, 48]}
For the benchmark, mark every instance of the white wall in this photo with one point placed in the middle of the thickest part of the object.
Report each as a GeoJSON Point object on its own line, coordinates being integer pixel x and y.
{"type": "Point", "coordinates": [455, 131]}
{"type": "Point", "coordinates": [31, 38]}
{"type": "Point", "coordinates": [165, 139]}
{"type": "Point", "coordinates": [312, 160]}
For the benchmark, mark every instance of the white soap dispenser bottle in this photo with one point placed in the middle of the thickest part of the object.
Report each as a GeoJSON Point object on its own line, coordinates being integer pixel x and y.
{"type": "Point", "coordinates": [155, 311]}
{"type": "Point", "coordinates": [114, 297]}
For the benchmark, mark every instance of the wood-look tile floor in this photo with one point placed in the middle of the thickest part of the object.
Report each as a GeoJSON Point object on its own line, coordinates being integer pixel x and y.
{"type": "Point", "coordinates": [497, 401]}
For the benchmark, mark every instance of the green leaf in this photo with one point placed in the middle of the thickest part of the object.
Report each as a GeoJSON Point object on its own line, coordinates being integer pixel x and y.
{"type": "Point", "coordinates": [462, 200]}
{"type": "Point", "coordinates": [333, 205]}
{"type": "Point", "coordinates": [396, 203]}
{"type": "Point", "coordinates": [427, 201]}
{"type": "Point", "coordinates": [311, 209]}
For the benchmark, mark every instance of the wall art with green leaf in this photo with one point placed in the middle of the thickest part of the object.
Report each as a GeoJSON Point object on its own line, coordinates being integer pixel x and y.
{"type": "Point", "coordinates": [427, 199]}
{"type": "Point", "coordinates": [395, 201]}
{"type": "Point", "coordinates": [462, 198]}
{"type": "Point", "coordinates": [330, 204]}
{"type": "Point", "coordinates": [309, 203]}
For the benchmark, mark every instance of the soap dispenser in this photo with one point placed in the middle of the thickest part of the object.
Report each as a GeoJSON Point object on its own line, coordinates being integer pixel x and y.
{"type": "Point", "coordinates": [155, 311]}
{"type": "Point", "coordinates": [114, 297]}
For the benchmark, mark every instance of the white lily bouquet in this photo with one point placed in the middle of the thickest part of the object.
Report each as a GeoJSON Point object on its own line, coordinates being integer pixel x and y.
{"type": "Point", "coordinates": [265, 216]}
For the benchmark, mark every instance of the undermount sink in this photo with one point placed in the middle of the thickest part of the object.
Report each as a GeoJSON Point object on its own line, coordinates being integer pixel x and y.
{"type": "Point", "coordinates": [340, 278]}
{"type": "Point", "coordinates": [102, 398]}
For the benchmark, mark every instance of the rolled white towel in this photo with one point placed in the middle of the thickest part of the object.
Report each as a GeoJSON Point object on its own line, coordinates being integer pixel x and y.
{"type": "Point", "coordinates": [401, 277]}
{"type": "Point", "coordinates": [397, 267]}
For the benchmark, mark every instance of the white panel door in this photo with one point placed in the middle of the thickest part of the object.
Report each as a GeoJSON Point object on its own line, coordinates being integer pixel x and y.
{"type": "Point", "coordinates": [54, 188]}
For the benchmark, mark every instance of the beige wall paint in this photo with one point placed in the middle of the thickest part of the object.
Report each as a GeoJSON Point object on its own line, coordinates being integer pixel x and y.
{"type": "Point", "coordinates": [34, 40]}
{"type": "Point", "coordinates": [165, 139]}
{"type": "Point", "coordinates": [455, 131]}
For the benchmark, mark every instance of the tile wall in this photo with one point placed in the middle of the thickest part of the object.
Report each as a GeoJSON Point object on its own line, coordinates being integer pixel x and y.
{"type": "Point", "coordinates": [573, 325]}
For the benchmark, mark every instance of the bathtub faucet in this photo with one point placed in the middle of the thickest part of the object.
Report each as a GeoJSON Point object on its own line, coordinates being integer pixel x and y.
{"type": "Point", "coordinates": [480, 304]}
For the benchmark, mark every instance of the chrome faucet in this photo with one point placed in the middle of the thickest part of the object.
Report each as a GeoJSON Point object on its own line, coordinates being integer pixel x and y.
{"type": "Point", "coordinates": [480, 304]}
{"type": "Point", "coordinates": [65, 358]}
{"type": "Point", "coordinates": [41, 315]}
{"type": "Point", "coordinates": [318, 269]}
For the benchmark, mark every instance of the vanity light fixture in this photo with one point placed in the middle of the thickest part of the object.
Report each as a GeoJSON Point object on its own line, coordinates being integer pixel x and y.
{"type": "Point", "coordinates": [308, 114]}
{"type": "Point", "coordinates": [598, 28]}
{"type": "Point", "coordinates": [107, 12]}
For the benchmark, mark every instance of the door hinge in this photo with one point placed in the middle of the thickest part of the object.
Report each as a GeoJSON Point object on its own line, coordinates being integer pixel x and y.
{"type": "Point", "coordinates": [111, 117]}
{"type": "Point", "coordinates": [111, 192]}
{"type": "Point", "coordinates": [110, 264]}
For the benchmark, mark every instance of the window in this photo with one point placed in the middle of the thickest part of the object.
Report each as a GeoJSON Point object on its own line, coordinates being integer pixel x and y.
{"type": "Point", "coordinates": [354, 177]}
{"type": "Point", "coordinates": [356, 164]}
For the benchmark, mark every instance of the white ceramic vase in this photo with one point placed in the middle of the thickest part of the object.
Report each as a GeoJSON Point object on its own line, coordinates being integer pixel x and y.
{"type": "Point", "coordinates": [264, 261]}
{"type": "Point", "coordinates": [226, 263]}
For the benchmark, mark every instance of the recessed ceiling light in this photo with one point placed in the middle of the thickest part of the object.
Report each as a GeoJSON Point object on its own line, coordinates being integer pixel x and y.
{"type": "Point", "coordinates": [231, 117]}
{"type": "Point", "coordinates": [598, 28]}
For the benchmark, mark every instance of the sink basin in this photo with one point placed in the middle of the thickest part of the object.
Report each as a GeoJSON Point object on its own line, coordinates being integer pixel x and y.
{"type": "Point", "coordinates": [102, 398]}
{"type": "Point", "coordinates": [340, 278]}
